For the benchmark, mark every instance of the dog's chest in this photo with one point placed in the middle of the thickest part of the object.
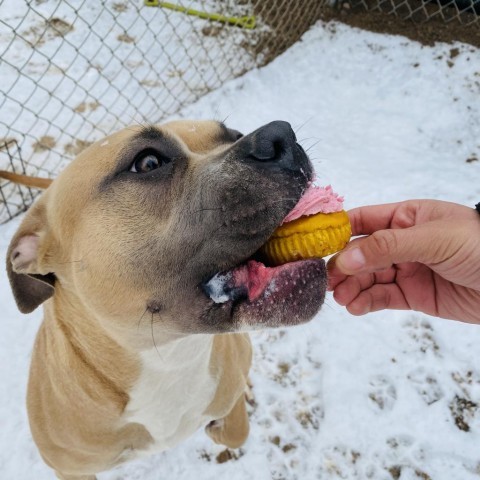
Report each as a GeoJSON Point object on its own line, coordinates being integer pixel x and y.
{"type": "Point", "coordinates": [173, 391]}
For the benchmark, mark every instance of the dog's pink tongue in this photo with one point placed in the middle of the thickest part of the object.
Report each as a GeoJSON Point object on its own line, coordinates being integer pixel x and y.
{"type": "Point", "coordinates": [252, 279]}
{"type": "Point", "coordinates": [316, 200]}
{"type": "Point", "coordinates": [255, 276]}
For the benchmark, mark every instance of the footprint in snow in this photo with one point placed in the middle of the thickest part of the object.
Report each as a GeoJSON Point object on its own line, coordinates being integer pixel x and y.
{"type": "Point", "coordinates": [382, 392]}
{"type": "Point", "coordinates": [426, 385]}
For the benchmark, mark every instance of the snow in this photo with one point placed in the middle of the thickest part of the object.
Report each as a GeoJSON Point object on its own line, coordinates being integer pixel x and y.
{"type": "Point", "coordinates": [342, 397]}
{"type": "Point", "coordinates": [215, 288]}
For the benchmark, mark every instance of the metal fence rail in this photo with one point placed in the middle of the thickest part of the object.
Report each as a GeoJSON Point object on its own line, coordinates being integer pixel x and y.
{"type": "Point", "coordinates": [73, 71]}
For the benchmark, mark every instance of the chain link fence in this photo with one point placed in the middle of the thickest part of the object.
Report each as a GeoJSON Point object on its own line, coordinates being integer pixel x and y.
{"type": "Point", "coordinates": [465, 12]}
{"type": "Point", "coordinates": [427, 21]}
{"type": "Point", "coordinates": [75, 70]}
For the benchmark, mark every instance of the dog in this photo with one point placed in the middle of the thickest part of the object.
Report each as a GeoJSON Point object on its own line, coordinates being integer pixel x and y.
{"type": "Point", "coordinates": [134, 355]}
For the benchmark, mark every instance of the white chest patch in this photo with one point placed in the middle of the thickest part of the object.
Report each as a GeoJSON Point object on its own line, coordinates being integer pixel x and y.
{"type": "Point", "coordinates": [173, 391]}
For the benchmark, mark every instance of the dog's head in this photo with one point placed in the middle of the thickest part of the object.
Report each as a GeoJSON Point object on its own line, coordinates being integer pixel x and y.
{"type": "Point", "coordinates": [135, 227]}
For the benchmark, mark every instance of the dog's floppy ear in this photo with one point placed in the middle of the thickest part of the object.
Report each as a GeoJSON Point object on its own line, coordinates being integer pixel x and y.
{"type": "Point", "coordinates": [31, 280]}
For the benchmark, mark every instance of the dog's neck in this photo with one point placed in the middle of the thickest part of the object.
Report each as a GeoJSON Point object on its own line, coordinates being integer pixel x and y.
{"type": "Point", "coordinates": [174, 390]}
{"type": "Point", "coordinates": [122, 353]}
{"type": "Point", "coordinates": [171, 356]}
{"type": "Point", "coordinates": [76, 340]}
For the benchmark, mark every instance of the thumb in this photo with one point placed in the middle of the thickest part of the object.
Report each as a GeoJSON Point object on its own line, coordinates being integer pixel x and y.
{"type": "Point", "coordinates": [426, 244]}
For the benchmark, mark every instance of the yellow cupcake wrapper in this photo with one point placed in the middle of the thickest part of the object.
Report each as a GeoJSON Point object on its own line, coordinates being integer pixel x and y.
{"type": "Point", "coordinates": [312, 236]}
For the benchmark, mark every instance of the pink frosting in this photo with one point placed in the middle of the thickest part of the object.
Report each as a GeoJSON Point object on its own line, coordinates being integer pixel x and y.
{"type": "Point", "coordinates": [316, 200]}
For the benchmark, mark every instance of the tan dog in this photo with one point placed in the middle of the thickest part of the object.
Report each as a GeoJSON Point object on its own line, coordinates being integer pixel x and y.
{"type": "Point", "coordinates": [133, 356]}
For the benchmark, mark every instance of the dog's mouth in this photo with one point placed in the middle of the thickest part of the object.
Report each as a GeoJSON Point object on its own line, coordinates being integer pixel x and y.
{"type": "Point", "coordinates": [259, 295]}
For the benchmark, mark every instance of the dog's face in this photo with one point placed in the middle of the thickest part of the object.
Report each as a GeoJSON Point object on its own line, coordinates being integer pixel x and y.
{"type": "Point", "coordinates": [136, 226]}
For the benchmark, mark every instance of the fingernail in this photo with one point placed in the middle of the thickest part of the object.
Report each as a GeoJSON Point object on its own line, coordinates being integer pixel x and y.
{"type": "Point", "coordinates": [351, 260]}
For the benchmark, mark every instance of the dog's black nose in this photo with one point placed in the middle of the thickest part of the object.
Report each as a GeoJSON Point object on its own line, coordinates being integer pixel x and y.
{"type": "Point", "coordinates": [274, 146]}
{"type": "Point", "coordinates": [272, 142]}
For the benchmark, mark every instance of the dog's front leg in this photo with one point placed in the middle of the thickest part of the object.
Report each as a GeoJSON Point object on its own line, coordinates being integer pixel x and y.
{"type": "Point", "coordinates": [232, 430]}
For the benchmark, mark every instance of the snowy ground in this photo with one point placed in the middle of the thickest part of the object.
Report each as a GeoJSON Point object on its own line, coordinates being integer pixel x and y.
{"type": "Point", "coordinates": [392, 395]}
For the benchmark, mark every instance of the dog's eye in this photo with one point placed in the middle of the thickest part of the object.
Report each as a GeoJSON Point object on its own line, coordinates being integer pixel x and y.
{"type": "Point", "coordinates": [147, 162]}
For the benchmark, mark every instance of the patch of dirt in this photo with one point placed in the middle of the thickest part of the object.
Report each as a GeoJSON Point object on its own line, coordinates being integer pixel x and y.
{"type": "Point", "coordinates": [422, 475]}
{"type": "Point", "coordinates": [175, 73]}
{"type": "Point", "coordinates": [74, 148]}
{"type": "Point", "coordinates": [416, 28]}
{"type": "Point", "coordinates": [120, 7]}
{"type": "Point", "coordinates": [288, 447]}
{"type": "Point", "coordinates": [281, 23]}
{"type": "Point", "coordinates": [7, 142]}
{"type": "Point", "coordinates": [205, 456]}
{"type": "Point", "coordinates": [286, 22]}
{"type": "Point", "coordinates": [48, 30]}
{"type": "Point", "coordinates": [463, 410]}
{"type": "Point", "coordinates": [282, 377]}
{"type": "Point", "coordinates": [396, 472]}
{"type": "Point", "coordinates": [227, 455]}
{"type": "Point", "coordinates": [466, 381]}
{"type": "Point", "coordinates": [426, 385]}
{"type": "Point", "coordinates": [59, 27]}
{"type": "Point", "coordinates": [211, 30]}
{"type": "Point", "coordinates": [151, 83]}
{"type": "Point", "coordinates": [125, 38]}
{"type": "Point", "coordinates": [44, 143]}
{"type": "Point", "coordinates": [84, 106]}
{"type": "Point", "coordinates": [277, 441]}
{"type": "Point", "coordinates": [424, 336]}
{"type": "Point", "coordinates": [382, 392]}
{"type": "Point", "coordinates": [310, 418]}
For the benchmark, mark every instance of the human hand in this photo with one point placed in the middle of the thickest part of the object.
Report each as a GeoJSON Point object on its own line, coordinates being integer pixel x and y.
{"type": "Point", "coordinates": [419, 255]}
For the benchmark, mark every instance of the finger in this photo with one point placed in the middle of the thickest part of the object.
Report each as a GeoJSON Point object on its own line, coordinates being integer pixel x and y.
{"type": "Point", "coordinates": [378, 297]}
{"type": "Point", "coordinates": [352, 286]}
{"type": "Point", "coordinates": [369, 219]}
{"type": "Point", "coordinates": [428, 244]}
{"type": "Point", "coordinates": [335, 274]}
